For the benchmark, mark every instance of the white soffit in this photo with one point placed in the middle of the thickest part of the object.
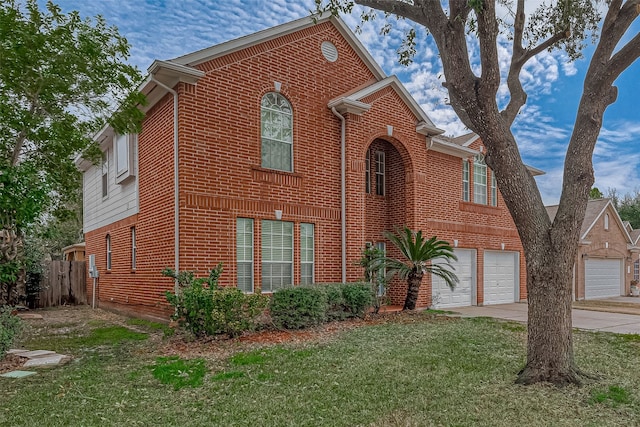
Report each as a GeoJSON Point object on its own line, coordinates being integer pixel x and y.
{"type": "Point", "coordinates": [440, 145]}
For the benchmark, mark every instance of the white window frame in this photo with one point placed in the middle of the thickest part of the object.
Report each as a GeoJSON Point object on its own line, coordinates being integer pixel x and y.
{"type": "Point", "coordinates": [133, 248]}
{"type": "Point", "coordinates": [380, 169]}
{"type": "Point", "coordinates": [278, 109]}
{"type": "Point", "coordinates": [242, 248]}
{"type": "Point", "coordinates": [479, 180]}
{"type": "Point", "coordinates": [307, 251]}
{"type": "Point", "coordinates": [465, 180]}
{"type": "Point", "coordinates": [109, 254]}
{"type": "Point", "coordinates": [606, 221]}
{"type": "Point", "coordinates": [382, 246]}
{"type": "Point", "coordinates": [105, 173]}
{"type": "Point", "coordinates": [494, 190]}
{"type": "Point", "coordinates": [286, 249]}
{"type": "Point", "coordinates": [124, 146]}
{"type": "Point", "coordinates": [636, 269]}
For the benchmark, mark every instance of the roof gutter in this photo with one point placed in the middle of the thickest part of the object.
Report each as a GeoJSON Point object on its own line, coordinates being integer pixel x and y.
{"type": "Point", "coordinates": [343, 197]}
{"type": "Point", "coordinates": [176, 188]}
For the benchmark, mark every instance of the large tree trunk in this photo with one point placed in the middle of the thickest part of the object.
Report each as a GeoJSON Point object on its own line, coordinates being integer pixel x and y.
{"type": "Point", "coordinates": [413, 288]}
{"type": "Point", "coordinates": [12, 292]}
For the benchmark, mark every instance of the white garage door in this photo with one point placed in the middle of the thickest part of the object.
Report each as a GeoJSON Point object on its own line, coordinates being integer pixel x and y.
{"type": "Point", "coordinates": [602, 277]}
{"type": "Point", "coordinates": [461, 296]}
{"type": "Point", "coordinates": [500, 277]}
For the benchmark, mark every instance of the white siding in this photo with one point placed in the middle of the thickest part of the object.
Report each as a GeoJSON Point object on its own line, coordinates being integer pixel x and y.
{"type": "Point", "coordinates": [122, 200]}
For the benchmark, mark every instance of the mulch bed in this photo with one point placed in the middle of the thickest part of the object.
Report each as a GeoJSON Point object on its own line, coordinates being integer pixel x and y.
{"type": "Point", "coordinates": [11, 362]}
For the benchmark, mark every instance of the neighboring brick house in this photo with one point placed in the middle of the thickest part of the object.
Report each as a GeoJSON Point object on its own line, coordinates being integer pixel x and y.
{"type": "Point", "coordinates": [293, 150]}
{"type": "Point", "coordinates": [607, 256]}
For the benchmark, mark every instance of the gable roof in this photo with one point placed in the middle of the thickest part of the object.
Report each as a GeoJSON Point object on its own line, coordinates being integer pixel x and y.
{"type": "Point", "coordinates": [595, 209]}
{"type": "Point", "coordinates": [207, 54]}
{"type": "Point", "coordinates": [352, 103]}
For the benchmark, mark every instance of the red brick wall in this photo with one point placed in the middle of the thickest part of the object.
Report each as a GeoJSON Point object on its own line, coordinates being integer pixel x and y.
{"type": "Point", "coordinates": [221, 177]}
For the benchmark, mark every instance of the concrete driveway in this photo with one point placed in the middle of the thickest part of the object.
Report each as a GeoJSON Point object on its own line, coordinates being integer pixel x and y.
{"type": "Point", "coordinates": [582, 319]}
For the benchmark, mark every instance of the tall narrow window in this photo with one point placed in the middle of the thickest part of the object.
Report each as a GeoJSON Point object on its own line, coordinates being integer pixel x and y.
{"type": "Point", "coordinates": [133, 248]}
{"type": "Point", "coordinates": [276, 119]}
{"type": "Point", "coordinates": [105, 173]}
{"type": "Point", "coordinates": [306, 253]}
{"type": "Point", "coordinates": [494, 190]}
{"type": "Point", "coordinates": [382, 247]}
{"type": "Point", "coordinates": [636, 270]}
{"type": "Point", "coordinates": [277, 255]}
{"type": "Point", "coordinates": [244, 253]}
{"type": "Point", "coordinates": [465, 180]}
{"type": "Point", "coordinates": [367, 172]}
{"type": "Point", "coordinates": [108, 245]}
{"type": "Point", "coordinates": [380, 173]}
{"type": "Point", "coordinates": [606, 221]}
{"type": "Point", "coordinates": [479, 180]}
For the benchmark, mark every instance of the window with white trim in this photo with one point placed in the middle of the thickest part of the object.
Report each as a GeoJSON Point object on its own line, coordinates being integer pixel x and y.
{"type": "Point", "coordinates": [244, 254]}
{"type": "Point", "coordinates": [380, 165]}
{"type": "Point", "coordinates": [465, 180]}
{"type": "Point", "coordinates": [277, 255]}
{"type": "Point", "coordinates": [494, 190]}
{"type": "Point", "coordinates": [124, 147]}
{"type": "Point", "coordinates": [306, 253]}
{"type": "Point", "coordinates": [367, 172]}
{"type": "Point", "coordinates": [479, 180]}
{"type": "Point", "coordinates": [105, 173]}
{"type": "Point", "coordinates": [606, 221]}
{"type": "Point", "coordinates": [636, 270]}
{"type": "Point", "coordinates": [276, 128]}
{"type": "Point", "coordinates": [108, 247]}
{"type": "Point", "coordinates": [133, 248]}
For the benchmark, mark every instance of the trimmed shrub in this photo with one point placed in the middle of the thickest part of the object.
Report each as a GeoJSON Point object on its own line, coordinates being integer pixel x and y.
{"type": "Point", "coordinates": [10, 328]}
{"type": "Point", "coordinates": [358, 298]}
{"type": "Point", "coordinates": [203, 309]}
{"type": "Point", "coordinates": [336, 303]}
{"type": "Point", "coordinates": [298, 307]}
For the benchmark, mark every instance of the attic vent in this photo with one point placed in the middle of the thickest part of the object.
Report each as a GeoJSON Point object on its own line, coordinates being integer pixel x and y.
{"type": "Point", "coordinates": [329, 51]}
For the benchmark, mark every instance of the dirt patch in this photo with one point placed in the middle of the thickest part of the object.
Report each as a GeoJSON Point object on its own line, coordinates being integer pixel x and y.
{"type": "Point", "coordinates": [11, 362]}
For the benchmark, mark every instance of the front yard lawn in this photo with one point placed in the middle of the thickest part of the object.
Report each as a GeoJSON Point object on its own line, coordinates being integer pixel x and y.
{"type": "Point", "coordinates": [411, 370]}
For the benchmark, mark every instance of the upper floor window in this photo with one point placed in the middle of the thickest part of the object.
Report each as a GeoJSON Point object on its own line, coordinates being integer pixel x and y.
{"type": "Point", "coordinates": [105, 173]}
{"type": "Point", "coordinates": [380, 160]}
{"type": "Point", "coordinates": [124, 148]}
{"type": "Point", "coordinates": [276, 118]}
{"type": "Point", "coordinates": [465, 180]}
{"type": "Point", "coordinates": [494, 190]}
{"type": "Point", "coordinates": [606, 221]}
{"type": "Point", "coordinates": [479, 180]}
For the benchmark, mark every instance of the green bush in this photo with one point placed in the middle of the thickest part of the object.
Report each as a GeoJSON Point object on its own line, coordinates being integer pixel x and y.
{"type": "Point", "coordinates": [10, 328]}
{"type": "Point", "coordinates": [203, 309]}
{"type": "Point", "coordinates": [304, 306]}
{"type": "Point", "coordinates": [298, 307]}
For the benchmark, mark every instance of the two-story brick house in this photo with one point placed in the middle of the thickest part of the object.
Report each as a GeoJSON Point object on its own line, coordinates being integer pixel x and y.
{"type": "Point", "coordinates": [281, 154]}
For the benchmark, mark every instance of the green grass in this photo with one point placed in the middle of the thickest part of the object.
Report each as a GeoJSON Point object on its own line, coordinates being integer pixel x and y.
{"type": "Point", "coordinates": [152, 326]}
{"type": "Point", "coordinates": [429, 371]}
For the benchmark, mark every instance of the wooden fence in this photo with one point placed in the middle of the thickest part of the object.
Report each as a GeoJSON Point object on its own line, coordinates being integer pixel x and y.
{"type": "Point", "coordinates": [63, 284]}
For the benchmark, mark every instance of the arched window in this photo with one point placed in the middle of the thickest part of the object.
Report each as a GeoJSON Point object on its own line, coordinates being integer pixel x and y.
{"type": "Point", "coordinates": [276, 119]}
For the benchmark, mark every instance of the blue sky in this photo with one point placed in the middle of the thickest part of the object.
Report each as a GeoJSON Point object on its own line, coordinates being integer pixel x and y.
{"type": "Point", "coordinates": [165, 29]}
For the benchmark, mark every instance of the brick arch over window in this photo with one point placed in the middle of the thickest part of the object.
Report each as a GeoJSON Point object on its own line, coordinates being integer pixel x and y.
{"type": "Point", "coordinates": [276, 132]}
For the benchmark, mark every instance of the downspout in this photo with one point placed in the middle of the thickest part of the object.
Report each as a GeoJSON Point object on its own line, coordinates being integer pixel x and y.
{"type": "Point", "coordinates": [343, 191]}
{"type": "Point", "coordinates": [176, 195]}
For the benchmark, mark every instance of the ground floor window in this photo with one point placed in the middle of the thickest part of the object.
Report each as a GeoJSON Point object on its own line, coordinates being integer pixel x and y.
{"type": "Point", "coordinates": [244, 253]}
{"type": "Point", "coordinates": [306, 253]}
{"type": "Point", "coordinates": [382, 247]}
{"type": "Point", "coordinates": [277, 255]}
{"type": "Point", "coordinates": [636, 270]}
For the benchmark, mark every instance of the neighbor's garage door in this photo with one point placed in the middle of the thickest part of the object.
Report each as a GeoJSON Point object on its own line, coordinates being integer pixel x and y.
{"type": "Point", "coordinates": [500, 277]}
{"type": "Point", "coordinates": [602, 278]}
{"type": "Point", "coordinates": [442, 295]}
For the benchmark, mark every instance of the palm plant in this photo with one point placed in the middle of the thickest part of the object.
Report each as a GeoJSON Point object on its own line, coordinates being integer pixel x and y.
{"type": "Point", "coordinates": [419, 254]}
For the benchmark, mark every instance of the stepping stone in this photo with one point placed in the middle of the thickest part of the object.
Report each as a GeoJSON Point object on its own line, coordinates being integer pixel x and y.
{"type": "Point", "coordinates": [17, 374]}
{"type": "Point", "coordinates": [36, 353]}
{"type": "Point", "coordinates": [54, 359]}
{"type": "Point", "coordinates": [30, 316]}
{"type": "Point", "coordinates": [17, 351]}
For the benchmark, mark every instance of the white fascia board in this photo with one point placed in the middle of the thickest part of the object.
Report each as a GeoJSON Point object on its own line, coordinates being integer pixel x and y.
{"type": "Point", "coordinates": [169, 69]}
{"type": "Point", "coordinates": [616, 217]}
{"type": "Point", "coordinates": [534, 171]}
{"type": "Point", "coordinates": [472, 138]}
{"type": "Point", "coordinates": [446, 147]}
{"type": "Point", "coordinates": [346, 105]}
{"type": "Point", "coordinates": [425, 124]}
